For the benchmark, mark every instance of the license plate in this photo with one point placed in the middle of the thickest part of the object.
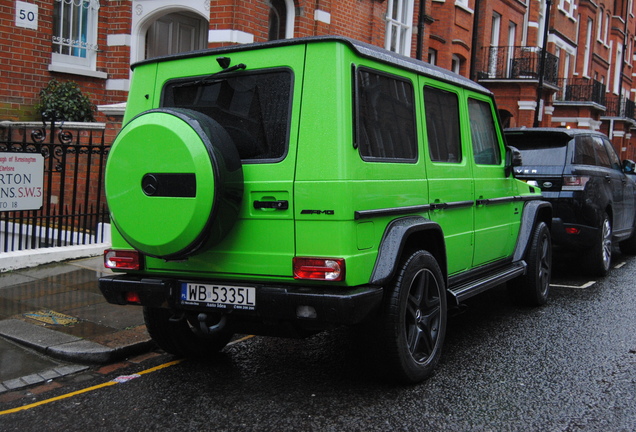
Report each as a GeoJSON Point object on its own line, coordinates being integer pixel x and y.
{"type": "Point", "coordinates": [218, 296]}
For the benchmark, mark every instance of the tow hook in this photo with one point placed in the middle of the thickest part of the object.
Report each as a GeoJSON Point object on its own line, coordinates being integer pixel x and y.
{"type": "Point", "coordinates": [210, 330]}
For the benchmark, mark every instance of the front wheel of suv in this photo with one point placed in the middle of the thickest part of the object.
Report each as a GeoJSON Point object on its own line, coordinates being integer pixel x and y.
{"type": "Point", "coordinates": [600, 256]}
{"type": "Point", "coordinates": [414, 318]}
{"type": "Point", "coordinates": [533, 288]}
{"type": "Point", "coordinates": [179, 337]}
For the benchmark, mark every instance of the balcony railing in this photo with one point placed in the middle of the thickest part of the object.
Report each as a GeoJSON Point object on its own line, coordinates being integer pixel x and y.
{"type": "Point", "coordinates": [620, 107]}
{"type": "Point", "coordinates": [518, 63]}
{"type": "Point", "coordinates": [580, 90]}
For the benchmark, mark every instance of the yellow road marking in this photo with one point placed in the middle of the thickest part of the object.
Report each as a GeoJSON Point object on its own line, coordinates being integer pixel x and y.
{"type": "Point", "coordinates": [106, 384]}
{"type": "Point", "coordinates": [86, 390]}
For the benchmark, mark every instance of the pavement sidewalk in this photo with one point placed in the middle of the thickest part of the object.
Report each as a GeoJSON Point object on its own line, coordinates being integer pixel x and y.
{"type": "Point", "coordinates": [58, 310]}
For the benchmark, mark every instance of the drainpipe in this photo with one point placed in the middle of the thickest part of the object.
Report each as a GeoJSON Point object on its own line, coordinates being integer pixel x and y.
{"type": "Point", "coordinates": [544, 49]}
{"type": "Point", "coordinates": [420, 30]}
{"type": "Point", "coordinates": [475, 39]}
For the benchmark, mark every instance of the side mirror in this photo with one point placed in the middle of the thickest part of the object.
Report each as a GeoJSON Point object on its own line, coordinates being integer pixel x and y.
{"type": "Point", "coordinates": [513, 159]}
{"type": "Point", "coordinates": [629, 166]}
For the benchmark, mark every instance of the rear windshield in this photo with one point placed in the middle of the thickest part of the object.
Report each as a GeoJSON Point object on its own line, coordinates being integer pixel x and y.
{"type": "Point", "coordinates": [253, 107]}
{"type": "Point", "coordinates": [540, 149]}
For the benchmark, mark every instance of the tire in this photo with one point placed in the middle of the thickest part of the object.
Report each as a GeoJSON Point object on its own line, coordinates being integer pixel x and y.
{"type": "Point", "coordinates": [413, 319]}
{"type": "Point", "coordinates": [174, 182]}
{"type": "Point", "coordinates": [599, 258]}
{"type": "Point", "coordinates": [533, 288]}
{"type": "Point", "coordinates": [179, 337]}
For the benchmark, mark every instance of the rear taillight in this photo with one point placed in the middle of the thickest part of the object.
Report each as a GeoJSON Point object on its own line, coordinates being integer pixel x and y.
{"type": "Point", "coordinates": [122, 259]}
{"type": "Point", "coordinates": [322, 269]}
{"type": "Point", "coordinates": [574, 182]}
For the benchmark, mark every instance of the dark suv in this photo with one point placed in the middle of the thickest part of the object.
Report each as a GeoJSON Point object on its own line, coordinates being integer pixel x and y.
{"type": "Point", "coordinates": [592, 197]}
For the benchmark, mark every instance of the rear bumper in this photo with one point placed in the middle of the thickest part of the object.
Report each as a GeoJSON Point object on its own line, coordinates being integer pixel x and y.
{"type": "Point", "coordinates": [586, 237]}
{"type": "Point", "coordinates": [333, 305]}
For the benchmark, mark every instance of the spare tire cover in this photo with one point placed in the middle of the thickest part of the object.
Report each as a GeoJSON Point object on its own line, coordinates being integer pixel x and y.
{"type": "Point", "coordinates": [173, 182]}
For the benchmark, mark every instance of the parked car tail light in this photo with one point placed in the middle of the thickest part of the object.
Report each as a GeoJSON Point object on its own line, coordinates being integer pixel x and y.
{"type": "Point", "coordinates": [326, 269]}
{"type": "Point", "coordinates": [572, 230]}
{"type": "Point", "coordinates": [574, 182]}
{"type": "Point", "coordinates": [122, 259]}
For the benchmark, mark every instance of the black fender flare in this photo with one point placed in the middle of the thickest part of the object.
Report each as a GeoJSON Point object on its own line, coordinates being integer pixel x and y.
{"type": "Point", "coordinates": [395, 238]}
{"type": "Point", "coordinates": [532, 212]}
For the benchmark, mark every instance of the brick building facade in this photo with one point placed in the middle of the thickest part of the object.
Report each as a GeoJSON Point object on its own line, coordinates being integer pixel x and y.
{"type": "Point", "coordinates": [583, 80]}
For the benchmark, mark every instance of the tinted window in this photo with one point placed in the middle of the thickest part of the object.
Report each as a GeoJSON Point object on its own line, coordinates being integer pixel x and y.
{"type": "Point", "coordinates": [442, 125]}
{"type": "Point", "coordinates": [614, 160]}
{"type": "Point", "coordinates": [584, 153]}
{"type": "Point", "coordinates": [385, 117]}
{"type": "Point", "coordinates": [601, 153]}
{"type": "Point", "coordinates": [486, 148]}
{"type": "Point", "coordinates": [539, 149]}
{"type": "Point", "coordinates": [253, 108]}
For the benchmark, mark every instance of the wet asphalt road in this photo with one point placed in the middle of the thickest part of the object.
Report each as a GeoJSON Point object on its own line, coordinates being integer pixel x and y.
{"type": "Point", "coordinates": [568, 366]}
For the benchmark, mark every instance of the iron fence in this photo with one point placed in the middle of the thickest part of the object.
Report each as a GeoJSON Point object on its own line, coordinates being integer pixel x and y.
{"type": "Point", "coordinates": [74, 210]}
{"type": "Point", "coordinates": [620, 107]}
{"type": "Point", "coordinates": [580, 90]}
{"type": "Point", "coordinates": [517, 62]}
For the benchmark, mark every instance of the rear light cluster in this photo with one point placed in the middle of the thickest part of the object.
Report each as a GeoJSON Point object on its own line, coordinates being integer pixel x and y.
{"type": "Point", "coordinates": [574, 183]}
{"type": "Point", "coordinates": [320, 269]}
{"type": "Point", "coordinates": [122, 259]}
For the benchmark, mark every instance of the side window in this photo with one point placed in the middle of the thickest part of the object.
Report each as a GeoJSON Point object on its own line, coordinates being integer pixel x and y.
{"type": "Point", "coordinates": [601, 153]}
{"type": "Point", "coordinates": [584, 151]}
{"type": "Point", "coordinates": [442, 125]}
{"type": "Point", "coordinates": [385, 118]}
{"type": "Point", "coordinates": [614, 160]}
{"type": "Point", "coordinates": [486, 149]}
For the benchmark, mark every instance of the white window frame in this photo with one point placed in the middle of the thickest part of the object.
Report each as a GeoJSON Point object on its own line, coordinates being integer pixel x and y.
{"type": "Point", "coordinates": [456, 64]}
{"type": "Point", "coordinates": [71, 63]}
{"type": "Point", "coordinates": [617, 67]}
{"type": "Point", "coordinates": [588, 48]}
{"type": "Point", "coordinates": [399, 28]}
{"type": "Point", "coordinates": [432, 56]}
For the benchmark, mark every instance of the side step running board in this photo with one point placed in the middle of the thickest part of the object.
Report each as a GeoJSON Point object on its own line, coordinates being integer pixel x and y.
{"type": "Point", "coordinates": [466, 290]}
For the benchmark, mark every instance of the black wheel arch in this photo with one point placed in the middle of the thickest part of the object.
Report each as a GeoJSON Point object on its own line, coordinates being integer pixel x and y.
{"type": "Point", "coordinates": [533, 212]}
{"type": "Point", "coordinates": [406, 235]}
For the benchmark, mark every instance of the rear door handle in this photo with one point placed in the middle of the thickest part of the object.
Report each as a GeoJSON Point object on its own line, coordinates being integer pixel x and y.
{"type": "Point", "coordinates": [276, 205]}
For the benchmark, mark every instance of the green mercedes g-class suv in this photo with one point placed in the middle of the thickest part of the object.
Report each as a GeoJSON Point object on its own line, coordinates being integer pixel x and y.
{"type": "Point", "coordinates": [288, 187]}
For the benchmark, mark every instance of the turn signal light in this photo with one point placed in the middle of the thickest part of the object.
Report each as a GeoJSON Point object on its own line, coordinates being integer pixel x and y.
{"type": "Point", "coordinates": [122, 259]}
{"type": "Point", "coordinates": [325, 269]}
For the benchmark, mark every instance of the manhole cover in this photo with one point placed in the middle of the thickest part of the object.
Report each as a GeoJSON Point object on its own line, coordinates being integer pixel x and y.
{"type": "Point", "coordinates": [51, 317]}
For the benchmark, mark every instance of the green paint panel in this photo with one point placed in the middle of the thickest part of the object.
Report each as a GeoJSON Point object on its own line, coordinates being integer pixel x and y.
{"type": "Point", "coordinates": [158, 143]}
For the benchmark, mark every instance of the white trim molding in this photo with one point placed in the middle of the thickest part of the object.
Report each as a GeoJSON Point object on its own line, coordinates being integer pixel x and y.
{"type": "Point", "coordinates": [233, 36]}
{"type": "Point", "coordinates": [322, 16]}
{"type": "Point", "coordinates": [527, 105]}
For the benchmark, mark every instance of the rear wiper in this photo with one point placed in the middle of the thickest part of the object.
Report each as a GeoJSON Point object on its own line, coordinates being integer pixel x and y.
{"type": "Point", "coordinates": [210, 77]}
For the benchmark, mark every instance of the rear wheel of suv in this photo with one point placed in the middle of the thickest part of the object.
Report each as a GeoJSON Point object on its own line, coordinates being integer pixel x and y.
{"type": "Point", "coordinates": [600, 256]}
{"type": "Point", "coordinates": [533, 288]}
{"type": "Point", "coordinates": [414, 318]}
{"type": "Point", "coordinates": [179, 337]}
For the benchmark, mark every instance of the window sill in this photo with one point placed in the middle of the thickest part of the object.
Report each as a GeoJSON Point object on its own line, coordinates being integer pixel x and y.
{"type": "Point", "coordinates": [464, 7]}
{"type": "Point", "coordinates": [77, 71]}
